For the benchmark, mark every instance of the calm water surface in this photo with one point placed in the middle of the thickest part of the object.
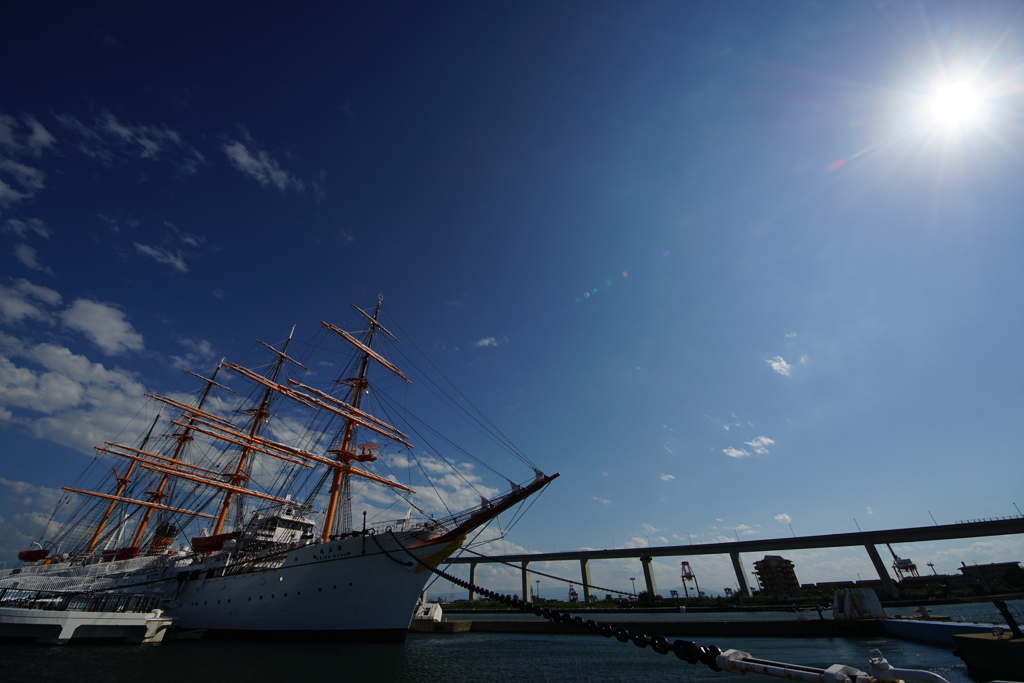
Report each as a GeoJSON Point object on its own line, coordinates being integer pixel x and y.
{"type": "Point", "coordinates": [460, 658]}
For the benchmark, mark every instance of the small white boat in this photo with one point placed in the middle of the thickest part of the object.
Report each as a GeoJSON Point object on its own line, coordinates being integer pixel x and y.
{"type": "Point", "coordinates": [51, 617]}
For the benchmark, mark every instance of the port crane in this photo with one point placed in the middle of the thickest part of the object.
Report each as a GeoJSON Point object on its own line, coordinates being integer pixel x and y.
{"type": "Point", "coordinates": [688, 575]}
{"type": "Point", "coordinates": [902, 565]}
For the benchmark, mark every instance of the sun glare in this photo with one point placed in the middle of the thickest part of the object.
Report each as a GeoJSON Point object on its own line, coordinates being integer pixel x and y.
{"type": "Point", "coordinates": [955, 104]}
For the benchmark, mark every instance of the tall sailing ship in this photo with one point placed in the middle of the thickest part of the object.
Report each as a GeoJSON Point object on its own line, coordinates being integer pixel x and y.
{"type": "Point", "coordinates": [238, 513]}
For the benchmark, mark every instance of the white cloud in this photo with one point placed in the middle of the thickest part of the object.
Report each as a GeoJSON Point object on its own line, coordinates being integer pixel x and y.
{"type": "Point", "coordinates": [602, 501]}
{"type": "Point", "coordinates": [26, 176]}
{"type": "Point", "coordinates": [20, 181]}
{"type": "Point", "coordinates": [28, 257]}
{"type": "Point", "coordinates": [790, 335]}
{"type": "Point", "coordinates": [199, 353]}
{"type": "Point", "coordinates": [760, 444]}
{"type": "Point", "coordinates": [30, 497]}
{"type": "Point", "coordinates": [24, 228]}
{"type": "Point", "coordinates": [261, 166]}
{"type": "Point", "coordinates": [34, 142]}
{"type": "Point", "coordinates": [744, 530]}
{"type": "Point", "coordinates": [175, 260]}
{"type": "Point", "coordinates": [68, 399]}
{"type": "Point", "coordinates": [19, 302]}
{"type": "Point", "coordinates": [104, 325]}
{"type": "Point", "coordinates": [40, 138]}
{"type": "Point", "coordinates": [29, 179]}
{"type": "Point", "coordinates": [8, 195]}
{"type": "Point", "coordinates": [109, 139]}
{"type": "Point", "coordinates": [803, 360]}
{"type": "Point", "coordinates": [735, 452]}
{"type": "Point", "coordinates": [667, 477]}
{"type": "Point", "coordinates": [486, 341]}
{"type": "Point", "coordinates": [870, 511]}
{"type": "Point", "coordinates": [779, 365]}
{"type": "Point", "coordinates": [783, 518]}
{"type": "Point", "coordinates": [449, 489]}
{"type": "Point", "coordinates": [44, 294]}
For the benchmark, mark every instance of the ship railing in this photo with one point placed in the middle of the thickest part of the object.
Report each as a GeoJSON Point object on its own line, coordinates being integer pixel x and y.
{"type": "Point", "coordinates": [74, 567]}
{"type": "Point", "coordinates": [60, 601]}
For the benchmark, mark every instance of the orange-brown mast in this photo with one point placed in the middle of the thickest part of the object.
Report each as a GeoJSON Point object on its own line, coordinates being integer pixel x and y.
{"type": "Point", "coordinates": [183, 437]}
{"type": "Point", "coordinates": [260, 415]}
{"type": "Point", "coordinates": [340, 481]}
{"type": "Point", "coordinates": [122, 483]}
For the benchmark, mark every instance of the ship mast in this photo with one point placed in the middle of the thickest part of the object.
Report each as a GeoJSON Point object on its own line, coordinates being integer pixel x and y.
{"type": "Point", "coordinates": [260, 415]}
{"type": "Point", "coordinates": [340, 499]}
{"type": "Point", "coordinates": [183, 437]}
{"type": "Point", "coordinates": [122, 483]}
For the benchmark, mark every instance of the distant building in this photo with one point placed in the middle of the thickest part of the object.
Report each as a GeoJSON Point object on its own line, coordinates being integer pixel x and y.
{"type": "Point", "coordinates": [987, 573]}
{"type": "Point", "coordinates": [776, 575]}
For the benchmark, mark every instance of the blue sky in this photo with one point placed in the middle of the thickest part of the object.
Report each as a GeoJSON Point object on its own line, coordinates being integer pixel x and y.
{"type": "Point", "coordinates": [716, 263]}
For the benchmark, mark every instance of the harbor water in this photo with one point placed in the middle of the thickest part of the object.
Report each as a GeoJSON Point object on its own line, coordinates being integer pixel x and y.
{"type": "Point", "coordinates": [462, 658]}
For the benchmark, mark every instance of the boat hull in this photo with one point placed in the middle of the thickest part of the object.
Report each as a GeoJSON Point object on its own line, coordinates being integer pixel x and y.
{"type": "Point", "coordinates": [357, 589]}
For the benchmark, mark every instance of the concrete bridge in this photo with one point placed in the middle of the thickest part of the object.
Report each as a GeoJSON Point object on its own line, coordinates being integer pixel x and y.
{"type": "Point", "coordinates": [867, 539]}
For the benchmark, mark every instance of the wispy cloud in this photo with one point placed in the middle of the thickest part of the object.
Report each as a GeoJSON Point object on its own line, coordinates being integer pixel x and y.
{"type": "Point", "coordinates": [175, 259]}
{"type": "Point", "coordinates": [15, 141]}
{"type": "Point", "coordinates": [109, 140]}
{"type": "Point", "coordinates": [260, 166]}
{"type": "Point", "coordinates": [485, 342]}
{"type": "Point", "coordinates": [667, 477]}
{"type": "Point", "coordinates": [760, 444]}
{"type": "Point", "coordinates": [779, 365]}
{"type": "Point", "coordinates": [602, 501]}
{"type": "Point", "coordinates": [21, 302]}
{"type": "Point", "coordinates": [198, 353]}
{"type": "Point", "coordinates": [735, 452]}
{"type": "Point", "coordinates": [783, 518]}
{"type": "Point", "coordinates": [790, 335]}
{"type": "Point", "coordinates": [28, 257]}
{"type": "Point", "coordinates": [25, 228]}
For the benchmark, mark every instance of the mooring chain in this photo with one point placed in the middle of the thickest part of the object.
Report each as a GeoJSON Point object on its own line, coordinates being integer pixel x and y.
{"type": "Point", "coordinates": [684, 649]}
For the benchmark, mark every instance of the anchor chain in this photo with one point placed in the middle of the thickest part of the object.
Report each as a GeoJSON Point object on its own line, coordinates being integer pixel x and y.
{"type": "Point", "coordinates": [685, 650]}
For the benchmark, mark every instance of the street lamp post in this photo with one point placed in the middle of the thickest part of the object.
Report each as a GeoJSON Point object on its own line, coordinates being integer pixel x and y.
{"type": "Point", "coordinates": [537, 596]}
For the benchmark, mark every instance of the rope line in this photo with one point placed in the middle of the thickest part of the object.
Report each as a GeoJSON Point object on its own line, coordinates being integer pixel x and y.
{"type": "Point", "coordinates": [685, 650]}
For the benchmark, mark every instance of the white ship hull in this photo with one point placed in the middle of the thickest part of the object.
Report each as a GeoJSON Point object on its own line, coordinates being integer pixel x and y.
{"type": "Point", "coordinates": [328, 591]}
{"type": "Point", "coordinates": [361, 588]}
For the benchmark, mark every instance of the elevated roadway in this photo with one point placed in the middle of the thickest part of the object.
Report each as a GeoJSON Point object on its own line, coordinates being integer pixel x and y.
{"type": "Point", "coordinates": [867, 539]}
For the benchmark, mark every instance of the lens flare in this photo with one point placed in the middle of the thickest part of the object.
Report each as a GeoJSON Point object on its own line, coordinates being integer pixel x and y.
{"type": "Point", "coordinates": [955, 104]}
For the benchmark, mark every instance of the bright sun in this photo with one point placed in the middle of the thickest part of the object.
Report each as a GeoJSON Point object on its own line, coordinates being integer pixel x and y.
{"type": "Point", "coordinates": [955, 104]}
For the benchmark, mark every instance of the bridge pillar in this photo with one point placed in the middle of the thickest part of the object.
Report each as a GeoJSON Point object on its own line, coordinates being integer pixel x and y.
{"type": "Point", "coordinates": [527, 595]}
{"type": "Point", "coordinates": [585, 572]}
{"type": "Point", "coordinates": [472, 580]}
{"type": "Point", "coordinates": [883, 574]}
{"type": "Point", "coordinates": [652, 585]}
{"type": "Point", "coordinates": [741, 576]}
